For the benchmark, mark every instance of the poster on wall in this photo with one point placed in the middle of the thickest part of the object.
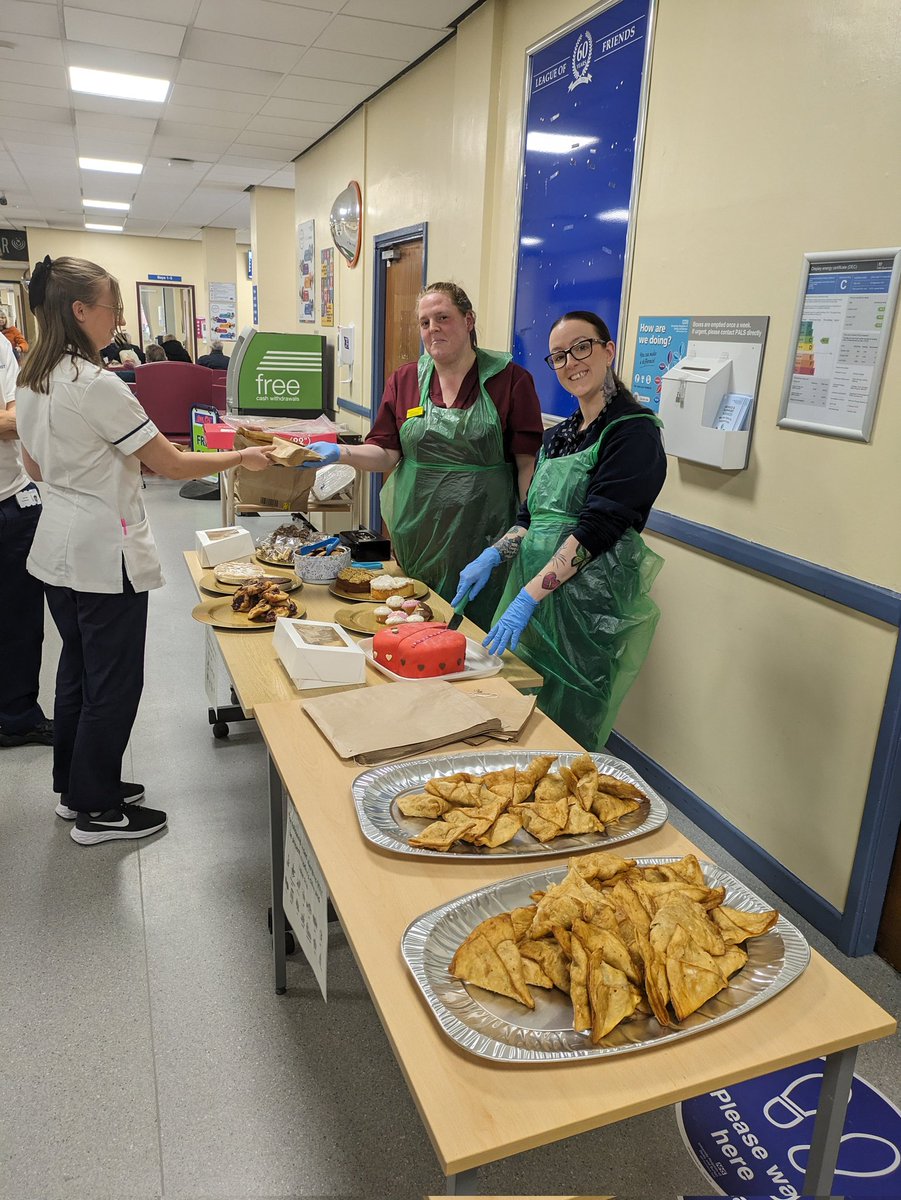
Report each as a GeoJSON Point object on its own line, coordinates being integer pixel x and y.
{"type": "Point", "coordinates": [306, 283]}
{"type": "Point", "coordinates": [224, 311]}
{"type": "Point", "coordinates": [327, 287]}
{"type": "Point", "coordinates": [840, 334]}
{"type": "Point", "coordinates": [662, 343]}
{"type": "Point", "coordinates": [583, 126]}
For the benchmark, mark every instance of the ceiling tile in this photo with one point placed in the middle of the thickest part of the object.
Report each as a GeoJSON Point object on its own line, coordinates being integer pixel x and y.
{"type": "Point", "coordinates": [131, 62]}
{"type": "Point", "coordinates": [194, 131]}
{"type": "Point", "coordinates": [10, 91]}
{"type": "Point", "coordinates": [282, 179]}
{"type": "Point", "coordinates": [210, 75]}
{"type": "Point", "coordinates": [105, 107]}
{"type": "Point", "coordinates": [431, 14]}
{"type": "Point", "coordinates": [12, 71]}
{"type": "Point", "coordinates": [287, 128]}
{"type": "Point", "coordinates": [279, 22]}
{"type": "Point", "coordinates": [304, 110]}
{"type": "Point", "coordinates": [21, 17]}
{"type": "Point", "coordinates": [16, 129]}
{"type": "Point", "coordinates": [244, 156]}
{"type": "Point", "coordinates": [385, 39]}
{"type": "Point", "coordinates": [116, 128]}
{"type": "Point", "coordinates": [240, 176]}
{"type": "Point", "coordinates": [232, 51]}
{"type": "Point", "coordinates": [329, 91]}
{"type": "Point", "coordinates": [163, 10]}
{"type": "Point", "coordinates": [26, 49]}
{"type": "Point", "coordinates": [180, 147]}
{"type": "Point", "coordinates": [349, 68]}
{"type": "Point", "coordinates": [192, 114]}
{"type": "Point", "coordinates": [291, 146]}
{"type": "Point", "coordinates": [187, 97]}
{"type": "Point", "coordinates": [56, 114]}
{"type": "Point", "coordinates": [123, 33]}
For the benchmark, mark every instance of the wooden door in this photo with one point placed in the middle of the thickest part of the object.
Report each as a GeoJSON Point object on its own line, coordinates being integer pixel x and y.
{"type": "Point", "coordinates": [403, 283]}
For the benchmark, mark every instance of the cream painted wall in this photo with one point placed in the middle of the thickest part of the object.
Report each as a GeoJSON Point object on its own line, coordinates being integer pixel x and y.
{"type": "Point", "coordinates": [245, 288]}
{"type": "Point", "coordinates": [763, 700]}
{"type": "Point", "coordinates": [129, 259]}
{"type": "Point", "coordinates": [274, 269]}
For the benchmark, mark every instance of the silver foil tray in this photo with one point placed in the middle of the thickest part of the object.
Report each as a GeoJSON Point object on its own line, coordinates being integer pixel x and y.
{"type": "Point", "coordinates": [375, 794]}
{"type": "Point", "coordinates": [494, 1027]}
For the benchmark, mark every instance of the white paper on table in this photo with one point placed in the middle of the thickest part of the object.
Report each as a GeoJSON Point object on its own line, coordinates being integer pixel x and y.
{"type": "Point", "coordinates": [305, 898]}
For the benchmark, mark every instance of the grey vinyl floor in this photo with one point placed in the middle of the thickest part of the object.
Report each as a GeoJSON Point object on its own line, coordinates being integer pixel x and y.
{"type": "Point", "coordinates": [142, 1050]}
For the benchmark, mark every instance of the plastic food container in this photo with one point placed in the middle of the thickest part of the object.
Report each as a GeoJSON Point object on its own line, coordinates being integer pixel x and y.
{"type": "Point", "coordinates": [321, 568]}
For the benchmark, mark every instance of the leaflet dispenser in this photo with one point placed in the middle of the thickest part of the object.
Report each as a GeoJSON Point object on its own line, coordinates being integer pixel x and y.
{"type": "Point", "coordinates": [690, 399]}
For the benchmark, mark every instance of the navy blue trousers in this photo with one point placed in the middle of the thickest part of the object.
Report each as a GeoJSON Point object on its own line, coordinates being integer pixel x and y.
{"type": "Point", "coordinates": [21, 620]}
{"type": "Point", "coordinates": [98, 689]}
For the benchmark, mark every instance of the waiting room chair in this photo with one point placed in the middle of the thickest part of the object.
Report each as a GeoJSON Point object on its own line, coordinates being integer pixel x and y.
{"type": "Point", "coordinates": [168, 390]}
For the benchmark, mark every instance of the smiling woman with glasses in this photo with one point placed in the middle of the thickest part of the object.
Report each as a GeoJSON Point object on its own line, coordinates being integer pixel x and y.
{"type": "Point", "coordinates": [577, 604]}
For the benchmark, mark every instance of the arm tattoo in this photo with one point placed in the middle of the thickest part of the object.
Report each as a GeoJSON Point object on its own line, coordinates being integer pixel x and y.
{"type": "Point", "coordinates": [581, 558]}
{"type": "Point", "coordinates": [509, 545]}
{"type": "Point", "coordinates": [550, 582]}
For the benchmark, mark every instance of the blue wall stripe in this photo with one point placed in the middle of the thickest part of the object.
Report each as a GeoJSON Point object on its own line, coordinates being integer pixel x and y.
{"type": "Point", "coordinates": [359, 409]}
{"type": "Point", "coordinates": [803, 899]}
{"type": "Point", "coordinates": [864, 597]}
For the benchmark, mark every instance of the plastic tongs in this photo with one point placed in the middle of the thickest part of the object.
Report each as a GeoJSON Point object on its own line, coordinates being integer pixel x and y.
{"type": "Point", "coordinates": [324, 544]}
{"type": "Point", "coordinates": [455, 620]}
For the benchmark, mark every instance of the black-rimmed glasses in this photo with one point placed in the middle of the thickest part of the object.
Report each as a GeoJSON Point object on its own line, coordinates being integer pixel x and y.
{"type": "Point", "coordinates": [579, 350]}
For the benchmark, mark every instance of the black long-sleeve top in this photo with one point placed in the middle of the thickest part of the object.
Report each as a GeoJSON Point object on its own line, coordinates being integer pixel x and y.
{"type": "Point", "coordinates": [627, 479]}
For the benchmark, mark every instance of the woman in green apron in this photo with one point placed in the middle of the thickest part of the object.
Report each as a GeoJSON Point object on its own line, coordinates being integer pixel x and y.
{"type": "Point", "coordinates": [576, 605]}
{"type": "Point", "coordinates": [458, 431]}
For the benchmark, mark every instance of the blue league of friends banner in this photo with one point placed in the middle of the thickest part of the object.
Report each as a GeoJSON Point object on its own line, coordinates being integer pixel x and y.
{"type": "Point", "coordinates": [581, 124]}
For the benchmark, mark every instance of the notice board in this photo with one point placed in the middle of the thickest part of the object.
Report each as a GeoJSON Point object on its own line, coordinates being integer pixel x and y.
{"type": "Point", "coordinates": [584, 117]}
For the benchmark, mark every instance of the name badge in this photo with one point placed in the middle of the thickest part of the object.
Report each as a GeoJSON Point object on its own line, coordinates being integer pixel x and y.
{"type": "Point", "coordinates": [415, 412]}
{"type": "Point", "coordinates": [28, 498]}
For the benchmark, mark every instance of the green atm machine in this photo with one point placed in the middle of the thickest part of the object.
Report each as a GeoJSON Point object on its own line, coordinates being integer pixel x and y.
{"type": "Point", "coordinates": [277, 375]}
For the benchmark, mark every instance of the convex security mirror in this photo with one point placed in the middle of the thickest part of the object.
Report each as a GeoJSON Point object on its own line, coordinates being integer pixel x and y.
{"type": "Point", "coordinates": [346, 222]}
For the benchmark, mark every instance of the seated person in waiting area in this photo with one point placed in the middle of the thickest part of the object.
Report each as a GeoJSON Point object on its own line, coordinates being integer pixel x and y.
{"type": "Point", "coordinates": [113, 352]}
{"type": "Point", "coordinates": [216, 360]}
{"type": "Point", "coordinates": [174, 350]}
{"type": "Point", "coordinates": [155, 353]}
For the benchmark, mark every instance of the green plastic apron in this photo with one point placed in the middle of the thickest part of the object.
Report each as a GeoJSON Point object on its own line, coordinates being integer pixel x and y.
{"type": "Point", "coordinates": [589, 638]}
{"type": "Point", "coordinates": [452, 494]}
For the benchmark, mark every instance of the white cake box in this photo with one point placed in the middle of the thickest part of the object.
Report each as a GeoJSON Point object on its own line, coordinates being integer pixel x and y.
{"type": "Point", "coordinates": [215, 546]}
{"type": "Point", "coordinates": [317, 654]}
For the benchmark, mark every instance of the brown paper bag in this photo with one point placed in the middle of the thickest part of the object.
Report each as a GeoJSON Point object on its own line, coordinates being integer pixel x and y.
{"type": "Point", "coordinates": [512, 709]}
{"type": "Point", "coordinates": [277, 487]}
{"type": "Point", "coordinates": [289, 454]}
{"type": "Point", "coordinates": [382, 724]}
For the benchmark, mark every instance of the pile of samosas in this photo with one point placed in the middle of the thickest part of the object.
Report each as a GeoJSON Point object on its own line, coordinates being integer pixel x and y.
{"type": "Point", "coordinates": [617, 939]}
{"type": "Point", "coordinates": [489, 810]}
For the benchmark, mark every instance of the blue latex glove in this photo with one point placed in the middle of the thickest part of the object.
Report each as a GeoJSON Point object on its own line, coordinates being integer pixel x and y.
{"type": "Point", "coordinates": [327, 451]}
{"type": "Point", "coordinates": [508, 630]}
{"type": "Point", "coordinates": [474, 576]}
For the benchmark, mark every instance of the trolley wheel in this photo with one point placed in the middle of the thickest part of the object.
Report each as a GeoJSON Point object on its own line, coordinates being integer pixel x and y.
{"type": "Point", "coordinates": [220, 730]}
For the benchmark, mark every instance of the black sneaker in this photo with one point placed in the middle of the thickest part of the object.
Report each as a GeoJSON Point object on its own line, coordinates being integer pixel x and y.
{"type": "Point", "coordinates": [126, 822]}
{"type": "Point", "coordinates": [41, 735]}
{"type": "Point", "coordinates": [129, 793]}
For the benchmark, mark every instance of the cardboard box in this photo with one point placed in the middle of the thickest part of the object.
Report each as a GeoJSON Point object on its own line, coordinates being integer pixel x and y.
{"type": "Point", "coordinates": [285, 489]}
{"type": "Point", "coordinates": [318, 654]}
{"type": "Point", "coordinates": [215, 546]}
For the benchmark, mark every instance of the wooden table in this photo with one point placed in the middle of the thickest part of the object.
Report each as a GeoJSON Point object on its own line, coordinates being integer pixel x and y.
{"type": "Point", "coordinates": [258, 677]}
{"type": "Point", "coordinates": [476, 1111]}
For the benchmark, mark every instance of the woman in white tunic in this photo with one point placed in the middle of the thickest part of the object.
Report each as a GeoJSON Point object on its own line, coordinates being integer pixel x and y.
{"type": "Point", "coordinates": [85, 436]}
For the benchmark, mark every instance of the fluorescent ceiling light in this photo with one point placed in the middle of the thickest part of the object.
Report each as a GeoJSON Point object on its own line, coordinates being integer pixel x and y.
{"type": "Point", "coordinates": [104, 228]}
{"type": "Point", "coordinates": [120, 87]}
{"type": "Point", "coordinates": [531, 241]}
{"type": "Point", "coordinates": [613, 214]}
{"type": "Point", "coordinates": [118, 205]}
{"type": "Point", "coordinates": [557, 143]}
{"type": "Point", "coordinates": [110, 164]}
